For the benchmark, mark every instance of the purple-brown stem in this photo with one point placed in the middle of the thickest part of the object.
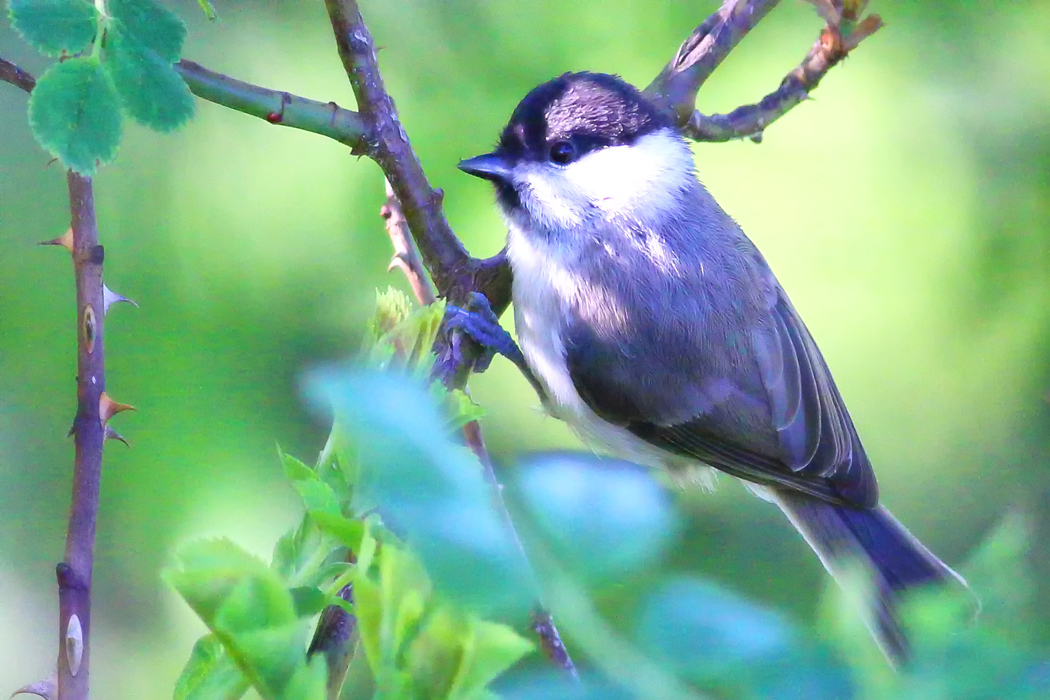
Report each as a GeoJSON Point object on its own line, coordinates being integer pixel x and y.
{"type": "Point", "coordinates": [89, 436]}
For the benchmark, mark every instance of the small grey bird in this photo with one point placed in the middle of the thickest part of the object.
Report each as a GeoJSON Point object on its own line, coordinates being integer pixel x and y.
{"type": "Point", "coordinates": [656, 329]}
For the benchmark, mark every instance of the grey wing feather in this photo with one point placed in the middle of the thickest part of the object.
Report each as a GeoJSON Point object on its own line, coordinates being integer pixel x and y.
{"type": "Point", "coordinates": [808, 442]}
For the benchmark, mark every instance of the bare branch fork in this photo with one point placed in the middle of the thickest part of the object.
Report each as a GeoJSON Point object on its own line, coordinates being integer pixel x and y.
{"type": "Point", "coordinates": [375, 130]}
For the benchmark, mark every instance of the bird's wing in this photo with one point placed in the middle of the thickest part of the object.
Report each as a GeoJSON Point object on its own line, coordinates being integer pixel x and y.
{"type": "Point", "coordinates": [787, 427]}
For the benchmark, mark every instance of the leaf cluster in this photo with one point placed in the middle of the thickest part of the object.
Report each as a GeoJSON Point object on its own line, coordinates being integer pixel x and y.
{"type": "Point", "coordinates": [116, 60]}
{"type": "Point", "coordinates": [399, 511]}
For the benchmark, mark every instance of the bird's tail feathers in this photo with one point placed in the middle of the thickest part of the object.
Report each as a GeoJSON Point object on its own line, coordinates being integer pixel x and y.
{"type": "Point", "coordinates": [842, 536]}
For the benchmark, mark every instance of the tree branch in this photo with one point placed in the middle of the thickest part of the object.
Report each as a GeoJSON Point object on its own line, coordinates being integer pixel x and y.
{"type": "Point", "coordinates": [840, 36]}
{"type": "Point", "coordinates": [704, 50]}
{"type": "Point", "coordinates": [446, 258]}
{"type": "Point", "coordinates": [10, 73]}
{"type": "Point", "coordinates": [283, 108]}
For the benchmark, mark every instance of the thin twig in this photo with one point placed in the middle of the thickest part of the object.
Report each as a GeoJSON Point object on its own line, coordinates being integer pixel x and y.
{"type": "Point", "coordinates": [750, 120]}
{"type": "Point", "coordinates": [89, 435]}
{"type": "Point", "coordinates": [10, 73]}
{"type": "Point", "coordinates": [276, 107]}
{"type": "Point", "coordinates": [704, 50]}
{"type": "Point", "coordinates": [406, 257]}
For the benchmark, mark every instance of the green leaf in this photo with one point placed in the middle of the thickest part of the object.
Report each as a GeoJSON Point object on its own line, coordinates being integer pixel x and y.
{"type": "Point", "coordinates": [271, 656]}
{"type": "Point", "coordinates": [308, 682]}
{"type": "Point", "coordinates": [347, 531]}
{"type": "Point", "coordinates": [152, 25]}
{"type": "Point", "coordinates": [208, 572]}
{"type": "Point", "coordinates": [210, 674]}
{"type": "Point", "coordinates": [491, 649]}
{"type": "Point", "coordinates": [54, 26]}
{"type": "Point", "coordinates": [295, 470]}
{"type": "Point", "coordinates": [317, 497]}
{"type": "Point", "coordinates": [308, 600]}
{"type": "Point", "coordinates": [150, 90]}
{"type": "Point", "coordinates": [260, 601]}
{"type": "Point", "coordinates": [208, 10]}
{"type": "Point", "coordinates": [75, 115]}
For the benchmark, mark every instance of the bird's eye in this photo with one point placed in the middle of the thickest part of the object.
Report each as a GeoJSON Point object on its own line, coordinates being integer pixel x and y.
{"type": "Point", "coordinates": [562, 152]}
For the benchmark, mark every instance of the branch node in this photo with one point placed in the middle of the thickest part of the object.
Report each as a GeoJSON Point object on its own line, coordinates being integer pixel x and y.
{"type": "Point", "coordinates": [67, 578]}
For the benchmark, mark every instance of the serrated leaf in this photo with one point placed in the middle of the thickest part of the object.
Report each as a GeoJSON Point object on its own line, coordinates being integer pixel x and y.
{"type": "Point", "coordinates": [210, 674]}
{"type": "Point", "coordinates": [347, 531]}
{"type": "Point", "coordinates": [207, 572]}
{"type": "Point", "coordinates": [296, 470]}
{"type": "Point", "coordinates": [54, 26]}
{"type": "Point", "coordinates": [491, 650]}
{"type": "Point", "coordinates": [152, 25]}
{"type": "Point", "coordinates": [150, 90]}
{"type": "Point", "coordinates": [317, 497]}
{"type": "Point", "coordinates": [75, 114]}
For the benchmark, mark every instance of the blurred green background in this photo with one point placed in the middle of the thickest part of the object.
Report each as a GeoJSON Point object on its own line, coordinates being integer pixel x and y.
{"type": "Point", "coordinates": [906, 210]}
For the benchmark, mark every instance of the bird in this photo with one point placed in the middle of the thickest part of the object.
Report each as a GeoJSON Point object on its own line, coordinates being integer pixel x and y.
{"type": "Point", "coordinates": [653, 326]}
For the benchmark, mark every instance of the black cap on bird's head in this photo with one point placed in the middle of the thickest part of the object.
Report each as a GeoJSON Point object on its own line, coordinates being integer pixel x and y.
{"type": "Point", "coordinates": [566, 118]}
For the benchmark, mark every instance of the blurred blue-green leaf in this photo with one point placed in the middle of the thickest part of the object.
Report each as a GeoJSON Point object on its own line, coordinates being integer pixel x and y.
{"type": "Point", "coordinates": [427, 487]}
{"type": "Point", "coordinates": [603, 518]}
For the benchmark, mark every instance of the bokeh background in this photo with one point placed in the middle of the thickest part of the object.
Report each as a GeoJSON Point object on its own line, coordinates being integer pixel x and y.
{"type": "Point", "coordinates": [906, 210]}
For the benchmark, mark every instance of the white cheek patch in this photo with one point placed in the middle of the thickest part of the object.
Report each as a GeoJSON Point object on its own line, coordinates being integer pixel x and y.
{"type": "Point", "coordinates": [549, 198]}
{"type": "Point", "coordinates": [643, 177]}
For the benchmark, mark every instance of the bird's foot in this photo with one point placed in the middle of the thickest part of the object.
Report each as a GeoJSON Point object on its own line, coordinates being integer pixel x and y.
{"type": "Point", "coordinates": [480, 323]}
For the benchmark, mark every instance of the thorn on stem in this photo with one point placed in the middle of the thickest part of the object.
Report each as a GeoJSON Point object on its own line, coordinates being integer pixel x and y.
{"type": "Point", "coordinates": [109, 297]}
{"type": "Point", "coordinates": [107, 408]}
{"type": "Point", "coordinates": [112, 434]}
{"type": "Point", "coordinates": [65, 240]}
{"type": "Point", "coordinates": [47, 688]}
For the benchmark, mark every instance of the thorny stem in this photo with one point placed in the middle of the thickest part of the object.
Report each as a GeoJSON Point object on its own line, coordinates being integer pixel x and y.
{"type": "Point", "coordinates": [89, 435]}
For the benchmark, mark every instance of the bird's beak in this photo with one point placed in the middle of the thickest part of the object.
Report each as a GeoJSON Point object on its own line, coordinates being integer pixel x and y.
{"type": "Point", "coordinates": [490, 166]}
